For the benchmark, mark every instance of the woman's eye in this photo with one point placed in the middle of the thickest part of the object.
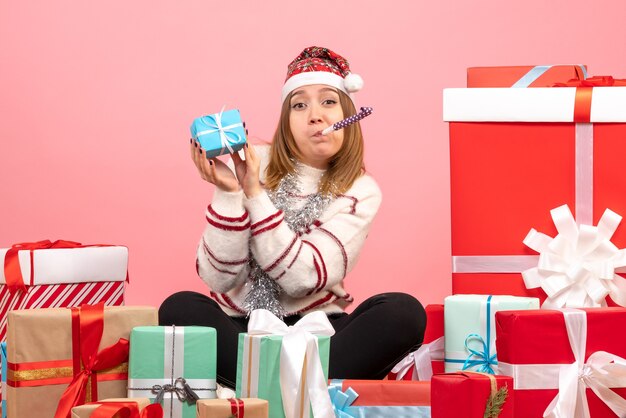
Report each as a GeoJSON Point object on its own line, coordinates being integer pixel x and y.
{"type": "Point", "coordinates": [329, 102]}
{"type": "Point", "coordinates": [297, 106]}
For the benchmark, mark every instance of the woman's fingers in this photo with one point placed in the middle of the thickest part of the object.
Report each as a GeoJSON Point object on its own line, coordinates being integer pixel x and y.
{"type": "Point", "coordinates": [247, 154]}
{"type": "Point", "coordinates": [252, 152]}
{"type": "Point", "coordinates": [236, 158]}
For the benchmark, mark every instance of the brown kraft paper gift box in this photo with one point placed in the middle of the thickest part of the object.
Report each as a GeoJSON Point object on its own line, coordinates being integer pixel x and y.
{"type": "Point", "coordinates": [40, 346]}
{"type": "Point", "coordinates": [226, 408]}
{"type": "Point", "coordinates": [85, 411]}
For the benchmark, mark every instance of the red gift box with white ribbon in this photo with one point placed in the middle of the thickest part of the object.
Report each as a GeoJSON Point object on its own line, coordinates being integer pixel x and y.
{"type": "Point", "coordinates": [517, 153]}
{"type": "Point", "coordinates": [564, 363]}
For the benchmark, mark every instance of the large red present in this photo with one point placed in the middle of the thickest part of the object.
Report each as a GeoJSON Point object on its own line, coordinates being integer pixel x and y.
{"type": "Point", "coordinates": [428, 359]}
{"type": "Point", "coordinates": [380, 398]}
{"type": "Point", "coordinates": [515, 154]}
{"type": "Point", "coordinates": [524, 75]}
{"type": "Point", "coordinates": [60, 274]}
{"type": "Point", "coordinates": [470, 395]}
{"type": "Point", "coordinates": [576, 354]}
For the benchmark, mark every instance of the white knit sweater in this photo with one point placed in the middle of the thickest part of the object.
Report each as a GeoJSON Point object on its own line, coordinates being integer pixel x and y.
{"type": "Point", "coordinates": [310, 268]}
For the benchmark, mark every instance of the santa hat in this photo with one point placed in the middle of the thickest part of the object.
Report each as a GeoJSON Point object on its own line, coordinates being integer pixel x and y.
{"type": "Point", "coordinates": [316, 65]}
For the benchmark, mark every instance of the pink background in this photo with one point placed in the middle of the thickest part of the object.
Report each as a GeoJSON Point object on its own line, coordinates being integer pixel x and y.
{"type": "Point", "coordinates": [96, 99]}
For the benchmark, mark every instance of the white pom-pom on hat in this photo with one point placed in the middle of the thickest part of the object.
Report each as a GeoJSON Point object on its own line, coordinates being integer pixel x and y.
{"type": "Point", "coordinates": [353, 82]}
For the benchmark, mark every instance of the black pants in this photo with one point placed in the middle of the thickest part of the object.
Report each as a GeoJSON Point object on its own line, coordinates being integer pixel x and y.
{"type": "Point", "coordinates": [367, 343]}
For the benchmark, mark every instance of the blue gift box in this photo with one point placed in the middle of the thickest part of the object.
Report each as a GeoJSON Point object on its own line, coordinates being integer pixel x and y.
{"type": "Point", "coordinates": [220, 133]}
{"type": "Point", "coordinates": [3, 354]}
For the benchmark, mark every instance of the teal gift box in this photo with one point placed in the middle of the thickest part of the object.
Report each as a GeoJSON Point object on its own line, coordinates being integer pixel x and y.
{"type": "Point", "coordinates": [166, 363]}
{"type": "Point", "coordinates": [3, 355]}
{"type": "Point", "coordinates": [258, 369]}
{"type": "Point", "coordinates": [220, 133]}
{"type": "Point", "coordinates": [470, 330]}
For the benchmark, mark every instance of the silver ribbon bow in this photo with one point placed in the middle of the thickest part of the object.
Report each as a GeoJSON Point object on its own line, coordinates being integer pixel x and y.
{"type": "Point", "coordinates": [183, 391]}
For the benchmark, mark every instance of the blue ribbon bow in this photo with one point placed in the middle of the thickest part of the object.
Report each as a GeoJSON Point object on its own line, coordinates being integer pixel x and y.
{"type": "Point", "coordinates": [341, 401]}
{"type": "Point", "coordinates": [484, 358]}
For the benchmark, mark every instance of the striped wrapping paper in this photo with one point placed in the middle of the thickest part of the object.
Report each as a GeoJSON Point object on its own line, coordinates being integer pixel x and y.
{"type": "Point", "coordinates": [58, 296]}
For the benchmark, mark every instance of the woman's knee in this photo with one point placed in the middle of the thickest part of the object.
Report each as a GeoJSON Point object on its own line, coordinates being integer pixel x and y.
{"type": "Point", "coordinates": [177, 308]}
{"type": "Point", "coordinates": [407, 313]}
{"type": "Point", "coordinates": [407, 306]}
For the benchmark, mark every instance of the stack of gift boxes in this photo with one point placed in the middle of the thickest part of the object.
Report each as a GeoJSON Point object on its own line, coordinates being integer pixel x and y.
{"type": "Point", "coordinates": [528, 330]}
{"type": "Point", "coordinates": [68, 355]}
{"type": "Point", "coordinates": [532, 329]}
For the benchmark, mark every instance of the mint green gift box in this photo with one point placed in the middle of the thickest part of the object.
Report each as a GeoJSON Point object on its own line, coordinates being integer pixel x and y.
{"type": "Point", "coordinates": [470, 329]}
{"type": "Point", "coordinates": [258, 368]}
{"type": "Point", "coordinates": [165, 359]}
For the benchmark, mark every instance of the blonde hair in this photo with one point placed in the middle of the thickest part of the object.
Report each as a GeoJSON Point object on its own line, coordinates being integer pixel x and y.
{"type": "Point", "coordinates": [344, 167]}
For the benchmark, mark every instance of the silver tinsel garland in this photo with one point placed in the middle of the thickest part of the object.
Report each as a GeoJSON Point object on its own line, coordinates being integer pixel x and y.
{"type": "Point", "coordinates": [264, 292]}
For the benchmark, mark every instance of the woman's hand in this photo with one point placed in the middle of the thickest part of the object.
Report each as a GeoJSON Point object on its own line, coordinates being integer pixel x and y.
{"type": "Point", "coordinates": [214, 171]}
{"type": "Point", "coordinates": [248, 171]}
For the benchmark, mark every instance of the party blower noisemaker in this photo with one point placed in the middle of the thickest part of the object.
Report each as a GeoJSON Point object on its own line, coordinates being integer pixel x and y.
{"type": "Point", "coordinates": [365, 111]}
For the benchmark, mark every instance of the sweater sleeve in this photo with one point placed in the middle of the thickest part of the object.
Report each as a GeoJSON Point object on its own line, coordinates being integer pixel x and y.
{"type": "Point", "coordinates": [319, 259]}
{"type": "Point", "coordinates": [222, 254]}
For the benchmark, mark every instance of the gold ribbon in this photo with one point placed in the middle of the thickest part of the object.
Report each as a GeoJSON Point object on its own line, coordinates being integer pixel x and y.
{"type": "Point", "coordinates": [497, 397]}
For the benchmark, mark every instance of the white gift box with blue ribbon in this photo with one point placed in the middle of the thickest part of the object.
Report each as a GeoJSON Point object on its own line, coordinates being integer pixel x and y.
{"type": "Point", "coordinates": [470, 330]}
{"type": "Point", "coordinates": [220, 133]}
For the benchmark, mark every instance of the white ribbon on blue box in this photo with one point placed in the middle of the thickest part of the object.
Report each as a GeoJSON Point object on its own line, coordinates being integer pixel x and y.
{"type": "Point", "coordinates": [220, 133]}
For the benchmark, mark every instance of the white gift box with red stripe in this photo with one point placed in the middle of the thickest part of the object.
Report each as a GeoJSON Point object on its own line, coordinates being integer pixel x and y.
{"type": "Point", "coordinates": [64, 277]}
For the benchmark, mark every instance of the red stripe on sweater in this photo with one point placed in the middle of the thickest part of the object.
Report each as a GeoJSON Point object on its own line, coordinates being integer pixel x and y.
{"type": "Point", "coordinates": [319, 285]}
{"type": "Point", "coordinates": [215, 296]}
{"type": "Point", "coordinates": [341, 247]}
{"type": "Point", "coordinates": [267, 228]}
{"type": "Point", "coordinates": [228, 227]}
{"type": "Point", "coordinates": [220, 270]}
{"type": "Point", "coordinates": [208, 251]}
{"type": "Point", "coordinates": [348, 297]}
{"type": "Point", "coordinates": [318, 302]}
{"type": "Point", "coordinates": [266, 220]}
{"type": "Point", "coordinates": [227, 218]}
{"type": "Point", "coordinates": [354, 202]}
{"type": "Point", "coordinates": [226, 301]}
{"type": "Point", "coordinates": [282, 256]}
{"type": "Point", "coordinates": [297, 254]}
{"type": "Point", "coordinates": [231, 304]}
{"type": "Point", "coordinates": [319, 279]}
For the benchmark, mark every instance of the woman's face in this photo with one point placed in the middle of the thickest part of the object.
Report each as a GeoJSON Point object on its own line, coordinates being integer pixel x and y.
{"type": "Point", "coordinates": [313, 108]}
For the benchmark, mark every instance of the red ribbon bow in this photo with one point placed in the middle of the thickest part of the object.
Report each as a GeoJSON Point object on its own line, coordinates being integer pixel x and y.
{"type": "Point", "coordinates": [127, 410]}
{"type": "Point", "coordinates": [584, 91]}
{"type": "Point", "coordinates": [87, 328]}
{"type": "Point", "coordinates": [597, 81]}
